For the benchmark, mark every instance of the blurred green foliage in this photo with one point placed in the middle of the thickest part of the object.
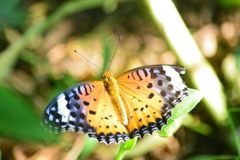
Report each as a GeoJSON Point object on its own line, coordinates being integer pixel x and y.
{"type": "Point", "coordinates": [229, 4]}
{"type": "Point", "coordinates": [18, 120]}
{"type": "Point", "coordinates": [12, 15]}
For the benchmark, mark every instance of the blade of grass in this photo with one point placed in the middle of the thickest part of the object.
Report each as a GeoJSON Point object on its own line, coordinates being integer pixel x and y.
{"type": "Point", "coordinates": [196, 125]}
{"type": "Point", "coordinates": [233, 129]}
{"type": "Point", "coordinates": [213, 157]}
{"type": "Point", "coordinates": [166, 19]}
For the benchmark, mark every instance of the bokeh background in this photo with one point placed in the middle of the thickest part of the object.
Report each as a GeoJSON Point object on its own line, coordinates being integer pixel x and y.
{"type": "Point", "coordinates": [37, 62]}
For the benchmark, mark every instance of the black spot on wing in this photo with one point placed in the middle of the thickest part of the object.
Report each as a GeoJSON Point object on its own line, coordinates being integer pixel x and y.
{"type": "Point", "coordinates": [77, 105]}
{"type": "Point", "coordinates": [151, 95]}
{"type": "Point", "coordinates": [68, 106]}
{"type": "Point", "coordinates": [67, 97]}
{"type": "Point", "coordinates": [73, 114]}
{"type": "Point", "coordinates": [153, 75]}
{"type": "Point", "coordinates": [92, 112]}
{"type": "Point", "coordinates": [82, 116]}
{"type": "Point", "coordinates": [76, 97]}
{"type": "Point", "coordinates": [162, 72]}
{"type": "Point", "coordinates": [170, 87]}
{"type": "Point", "coordinates": [150, 85]}
{"type": "Point", "coordinates": [163, 93]}
{"type": "Point", "coordinates": [168, 78]}
{"type": "Point", "coordinates": [86, 103]}
{"type": "Point", "coordinates": [160, 83]}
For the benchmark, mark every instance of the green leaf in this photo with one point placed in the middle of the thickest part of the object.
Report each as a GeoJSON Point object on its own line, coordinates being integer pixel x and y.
{"type": "Point", "coordinates": [18, 120]}
{"type": "Point", "coordinates": [127, 146]}
{"type": "Point", "coordinates": [180, 110]}
{"type": "Point", "coordinates": [187, 104]}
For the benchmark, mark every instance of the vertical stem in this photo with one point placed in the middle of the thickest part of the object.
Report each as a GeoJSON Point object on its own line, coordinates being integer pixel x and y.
{"type": "Point", "coordinates": [233, 130]}
{"type": "Point", "coordinates": [167, 20]}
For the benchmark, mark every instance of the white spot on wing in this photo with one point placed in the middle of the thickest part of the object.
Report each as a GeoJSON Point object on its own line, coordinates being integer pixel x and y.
{"type": "Point", "coordinates": [62, 107]}
{"type": "Point", "coordinates": [175, 78]}
{"type": "Point", "coordinates": [51, 117]}
{"type": "Point", "coordinates": [53, 108]}
{"type": "Point", "coordinates": [61, 101]}
{"type": "Point", "coordinates": [48, 110]}
{"type": "Point", "coordinates": [57, 121]}
{"type": "Point", "coordinates": [76, 90]}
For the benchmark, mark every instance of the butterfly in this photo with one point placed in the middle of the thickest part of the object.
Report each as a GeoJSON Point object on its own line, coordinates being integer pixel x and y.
{"type": "Point", "coordinates": [135, 104]}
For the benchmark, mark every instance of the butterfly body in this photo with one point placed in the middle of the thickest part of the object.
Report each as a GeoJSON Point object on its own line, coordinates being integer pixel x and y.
{"type": "Point", "coordinates": [111, 86]}
{"type": "Point", "coordinates": [135, 104]}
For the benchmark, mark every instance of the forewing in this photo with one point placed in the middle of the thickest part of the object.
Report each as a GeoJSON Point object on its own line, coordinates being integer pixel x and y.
{"type": "Point", "coordinates": [70, 110]}
{"type": "Point", "coordinates": [150, 93]}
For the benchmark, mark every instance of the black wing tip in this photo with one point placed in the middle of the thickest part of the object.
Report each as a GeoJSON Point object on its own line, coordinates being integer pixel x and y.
{"type": "Point", "coordinates": [178, 69]}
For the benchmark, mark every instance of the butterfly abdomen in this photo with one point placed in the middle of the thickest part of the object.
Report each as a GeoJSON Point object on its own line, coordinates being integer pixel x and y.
{"type": "Point", "coordinates": [111, 86]}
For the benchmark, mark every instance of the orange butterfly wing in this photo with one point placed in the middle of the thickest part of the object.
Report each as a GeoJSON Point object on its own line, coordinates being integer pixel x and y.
{"type": "Point", "coordinates": [150, 92]}
{"type": "Point", "coordinates": [85, 107]}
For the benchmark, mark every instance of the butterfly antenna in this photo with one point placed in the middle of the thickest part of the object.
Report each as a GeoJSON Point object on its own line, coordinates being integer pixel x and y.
{"type": "Point", "coordinates": [120, 38]}
{"type": "Point", "coordinates": [87, 59]}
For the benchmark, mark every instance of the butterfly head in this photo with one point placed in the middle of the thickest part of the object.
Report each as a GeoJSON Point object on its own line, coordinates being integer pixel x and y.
{"type": "Point", "coordinates": [107, 76]}
{"type": "Point", "coordinates": [109, 81]}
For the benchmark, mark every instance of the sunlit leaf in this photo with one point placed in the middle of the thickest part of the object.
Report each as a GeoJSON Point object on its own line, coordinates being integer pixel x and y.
{"type": "Point", "coordinates": [180, 110]}
{"type": "Point", "coordinates": [127, 146]}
